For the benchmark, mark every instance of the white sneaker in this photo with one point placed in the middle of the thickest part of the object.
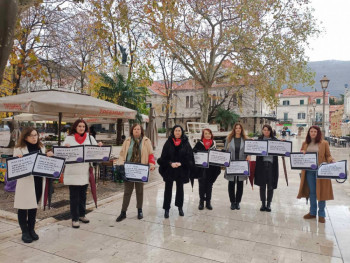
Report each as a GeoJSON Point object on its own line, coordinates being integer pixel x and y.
{"type": "Point", "coordinates": [75, 224]}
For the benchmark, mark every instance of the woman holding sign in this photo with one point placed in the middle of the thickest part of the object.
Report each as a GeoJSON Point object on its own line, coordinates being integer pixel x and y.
{"type": "Point", "coordinates": [175, 164]}
{"type": "Point", "coordinates": [29, 189]}
{"type": "Point", "coordinates": [266, 172]}
{"type": "Point", "coordinates": [310, 187]}
{"type": "Point", "coordinates": [136, 149]}
{"type": "Point", "coordinates": [235, 145]}
{"type": "Point", "coordinates": [76, 175]}
{"type": "Point", "coordinates": [206, 176]}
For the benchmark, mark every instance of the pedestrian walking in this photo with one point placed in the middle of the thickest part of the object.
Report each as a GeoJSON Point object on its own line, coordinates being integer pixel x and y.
{"type": "Point", "coordinates": [175, 165]}
{"type": "Point", "coordinates": [235, 145]}
{"type": "Point", "coordinates": [266, 172]}
{"type": "Point", "coordinates": [76, 175]}
{"type": "Point", "coordinates": [206, 176]}
{"type": "Point", "coordinates": [136, 149]}
{"type": "Point", "coordinates": [30, 189]}
{"type": "Point", "coordinates": [310, 187]}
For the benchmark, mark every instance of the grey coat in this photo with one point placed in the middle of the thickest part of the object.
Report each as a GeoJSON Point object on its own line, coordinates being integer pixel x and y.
{"type": "Point", "coordinates": [231, 148]}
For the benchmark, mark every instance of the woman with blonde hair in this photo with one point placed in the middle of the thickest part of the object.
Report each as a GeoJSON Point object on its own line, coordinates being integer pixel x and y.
{"type": "Point", "coordinates": [235, 145]}
{"type": "Point", "coordinates": [136, 149]}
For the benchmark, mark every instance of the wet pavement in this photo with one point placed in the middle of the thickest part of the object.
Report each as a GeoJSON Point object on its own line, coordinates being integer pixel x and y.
{"type": "Point", "coordinates": [220, 235]}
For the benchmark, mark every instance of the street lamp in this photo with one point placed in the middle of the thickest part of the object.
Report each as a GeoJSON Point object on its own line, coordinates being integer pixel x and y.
{"type": "Point", "coordinates": [314, 106]}
{"type": "Point", "coordinates": [324, 84]}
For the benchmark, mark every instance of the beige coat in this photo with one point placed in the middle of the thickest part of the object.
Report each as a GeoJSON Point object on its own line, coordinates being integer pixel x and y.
{"type": "Point", "coordinates": [324, 190]}
{"type": "Point", "coordinates": [146, 150]}
{"type": "Point", "coordinates": [25, 197]}
{"type": "Point", "coordinates": [77, 173]}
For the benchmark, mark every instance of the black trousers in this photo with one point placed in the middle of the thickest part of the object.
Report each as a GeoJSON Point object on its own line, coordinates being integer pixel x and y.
{"type": "Point", "coordinates": [205, 189]}
{"type": "Point", "coordinates": [235, 197]}
{"type": "Point", "coordinates": [263, 194]}
{"type": "Point", "coordinates": [179, 198]}
{"type": "Point", "coordinates": [77, 194]}
{"type": "Point", "coordinates": [27, 217]}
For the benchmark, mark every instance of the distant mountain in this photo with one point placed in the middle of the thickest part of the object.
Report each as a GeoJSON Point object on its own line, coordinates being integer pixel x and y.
{"type": "Point", "coordinates": [337, 71]}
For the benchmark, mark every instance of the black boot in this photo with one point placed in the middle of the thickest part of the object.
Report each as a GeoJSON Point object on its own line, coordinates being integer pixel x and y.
{"type": "Point", "coordinates": [233, 206]}
{"type": "Point", "coordinates": [263, 206]}
{"type": "Point", "coordinates": [181, 212]}
{"type": "Point", "coordinates": [31, 224]}
{"type": "Point", "coordinates": [139, 213]}
{"type": "Point", "coordinates": [238, 206]}
{"type": "Point", "coordinates": [268, 207]}
{"type": "Point", "coordinates": [208, 205]}
{"type": "Point", "coordinates": [122, 216]}
{"type": "Point", "coordinates": [166, 213]}
{"type": "Point", "coordinates": [201, 204]}
{"type": "Point", "coordinates": [25, 234]}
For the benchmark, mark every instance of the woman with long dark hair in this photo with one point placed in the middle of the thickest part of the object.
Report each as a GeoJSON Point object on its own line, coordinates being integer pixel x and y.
{"type": "Point", "coordinates": [266, 172]}
{"type": "Point", "coordinates": [310, 187]}
{"type": "Point", "coordinates": [29, 189]}
{"type": "Point", "coordinates": [235, 145]}
{"type": "Point", "coordinates": [136, 149]}
{"type": "Point", "coordinates": [175, 165]}
{"type": "Point", "coordinates": [76, 175]}
{"type": "Point", "coordinates": [206, 176]}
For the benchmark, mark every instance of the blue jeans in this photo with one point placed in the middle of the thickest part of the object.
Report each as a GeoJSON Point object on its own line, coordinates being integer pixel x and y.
{"type": "Point", "coordinates": [311, 181]}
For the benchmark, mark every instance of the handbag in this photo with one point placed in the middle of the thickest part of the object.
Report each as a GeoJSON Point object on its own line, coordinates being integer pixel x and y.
{"type": "Point", "coordinates": [120, 169]}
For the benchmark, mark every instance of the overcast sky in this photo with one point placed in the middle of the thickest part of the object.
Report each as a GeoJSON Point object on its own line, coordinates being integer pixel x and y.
{"type": "Point", "coordinates": [334, 43]}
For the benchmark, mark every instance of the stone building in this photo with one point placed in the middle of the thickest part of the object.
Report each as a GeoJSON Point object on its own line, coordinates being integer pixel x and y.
{"type": "Point", "coordinates": [300, 110]}
{"type": "Point", "coordinates": [336, 113]}
{"type": "Point", "coordinates": [186, 101]}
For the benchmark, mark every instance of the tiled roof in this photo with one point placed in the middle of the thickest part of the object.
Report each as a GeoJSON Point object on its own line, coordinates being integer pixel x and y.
{"type": "Point", "coordinates": [296, 93]}
{"type": "Point", "coordinates": [157, 87]}
{"type": "Point", "coordinates": [333, 108]}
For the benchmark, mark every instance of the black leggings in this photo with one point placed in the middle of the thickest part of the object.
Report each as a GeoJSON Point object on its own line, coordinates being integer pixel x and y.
{"type": "Point", "coordinates": [235, 198]}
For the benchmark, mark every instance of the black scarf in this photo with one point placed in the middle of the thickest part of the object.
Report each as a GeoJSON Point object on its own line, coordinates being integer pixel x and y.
{"type": "Point", "coordinates": [32, 147]}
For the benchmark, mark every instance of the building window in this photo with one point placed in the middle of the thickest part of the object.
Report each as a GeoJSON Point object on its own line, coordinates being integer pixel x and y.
{"type": "Point", "coordinates": [318, 101]}
{"type": "Point", "coordinates": [318, 116]}
{"type": "Point", "coordinates": [163, 107]}
{"type": "Point", "coordinates": [285, 116]}
{"type": "Point", "coordinates": [187, 101]}
{"type": "Point", "coordinates": [191, 101]}
{"type": "Point", "coordinates": [301, 102]}
{"type": "Point", "coordinates": [301, 116]}
{"type": "Point", "coordinates": [286, 102]}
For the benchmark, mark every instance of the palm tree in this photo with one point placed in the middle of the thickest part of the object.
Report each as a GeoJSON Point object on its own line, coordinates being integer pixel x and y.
{"type": "Point", "coordinates": [123, 93]}
{"type": "Point", "coordinates": [225, 117]}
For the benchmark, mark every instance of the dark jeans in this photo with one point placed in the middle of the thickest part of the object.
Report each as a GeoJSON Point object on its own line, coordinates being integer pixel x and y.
{"type": "Point", "coordinates": [235, 198]}
{"type": "Point", "coordinates": [179, 198]}
{"type": "Point", "coordinates": [263, 194]}
{"type": "Point", "coordinates": [205, 189]}
{"type": "Point", "coordinates": [26, 217]}
{"type": "Point", "coordinates": [77, 195]}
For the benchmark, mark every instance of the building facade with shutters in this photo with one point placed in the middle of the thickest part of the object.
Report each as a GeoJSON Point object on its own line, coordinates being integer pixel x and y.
{"type": "Point", "coordinates": [299, 110]}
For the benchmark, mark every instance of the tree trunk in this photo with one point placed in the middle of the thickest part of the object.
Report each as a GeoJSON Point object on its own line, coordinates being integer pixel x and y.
{"type": "Point", "coordinates": [167, 110]}
{"type": "Point", "coordinates": [119, 131]}
{"type": "Point", "coordinates": [8, 17]}
{"type": "Point", "coordinates": [205, 107]}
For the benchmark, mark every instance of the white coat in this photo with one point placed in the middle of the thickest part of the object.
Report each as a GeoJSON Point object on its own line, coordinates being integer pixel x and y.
{"type": "Point", "coordinates": [25, 197]}
{"type": "Point", "coordinates": [77, 173]}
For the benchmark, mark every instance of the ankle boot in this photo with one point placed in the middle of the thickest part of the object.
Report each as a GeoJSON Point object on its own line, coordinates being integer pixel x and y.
{"type": "Point", "coordinates": [238, 207]}
{"type": "Point", "coordinates": [26, 238]}
{"type": "Point", "coordinates": [139, 213]}
{"type": "Point", "coordinates": [233, 206]}
{"type": "Point", "coordinates": [208, 205]}
{"type": "Point", "coordinates": [166, 213]}
{"type": "Point", "coordinates": [181, 212]}
{"type": "Point", "coordinates": [31, 225]}
{"type": "Point", "coordinates": [201, 204]}
{"type": "Point", "coordinates": [122, 216]}
{"type": "Point", "coordinates": [268, 207]}
{"type": "Point", "coordinates": [263, 206]}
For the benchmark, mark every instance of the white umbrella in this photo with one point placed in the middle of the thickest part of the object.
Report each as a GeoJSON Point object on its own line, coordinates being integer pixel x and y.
{"type": "Point", "coordinates": [64, 105]}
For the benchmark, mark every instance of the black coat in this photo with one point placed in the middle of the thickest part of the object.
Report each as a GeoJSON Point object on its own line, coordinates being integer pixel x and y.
{"type": "Point", "coordinates": [260, 178]}
{"type": "Point", "coordinates": [211, 173]}
{"type": "Point", "coordinates": [170, 154]}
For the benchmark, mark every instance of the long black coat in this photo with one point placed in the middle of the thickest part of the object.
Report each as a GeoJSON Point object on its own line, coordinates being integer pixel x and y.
{"type": "Point", "coordinates": [260, 178]}
{"type": "Point", "coordinates": [170, 154]}
{"type": "Point", "coordinates": [211, 173]}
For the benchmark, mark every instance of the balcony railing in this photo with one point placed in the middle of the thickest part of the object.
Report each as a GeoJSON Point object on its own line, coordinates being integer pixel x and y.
{"type": "Point", "coordinates": [285, 121]}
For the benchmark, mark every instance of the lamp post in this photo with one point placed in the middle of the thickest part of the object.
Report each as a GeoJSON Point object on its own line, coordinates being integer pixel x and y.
{"type": "Point", "coordinates": [324, 84]}
{"type": "Point", "coordinates": [314, 106]}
